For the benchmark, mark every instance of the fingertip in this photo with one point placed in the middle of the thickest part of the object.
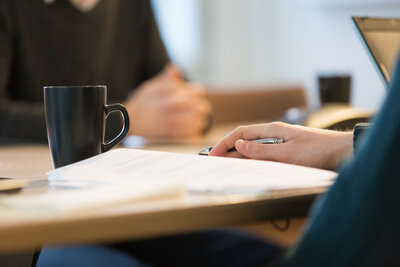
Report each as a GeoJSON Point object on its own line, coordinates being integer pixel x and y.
{"type": "Point", "coordinates": [218, 150]}
{"type": "Point", "coordinates": [215, 151]}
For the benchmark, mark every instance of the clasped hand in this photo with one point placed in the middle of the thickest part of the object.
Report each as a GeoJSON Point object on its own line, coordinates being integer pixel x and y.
{"type": "Point", "coordinates": [168, 107]}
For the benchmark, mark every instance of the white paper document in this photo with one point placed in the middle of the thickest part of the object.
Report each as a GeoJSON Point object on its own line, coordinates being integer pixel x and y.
{"type": "Point", "coordinates": [197, 173]}
{"type": "Point", "coordinates": [122, 175]}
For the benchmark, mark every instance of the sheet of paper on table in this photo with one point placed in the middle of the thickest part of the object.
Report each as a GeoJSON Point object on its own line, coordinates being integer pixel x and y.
{"type": "Point", "coordinates": [128, 174]}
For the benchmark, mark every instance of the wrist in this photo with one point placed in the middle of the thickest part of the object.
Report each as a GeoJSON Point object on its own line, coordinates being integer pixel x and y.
{"type": "Point", "coordinates": [342, 148]}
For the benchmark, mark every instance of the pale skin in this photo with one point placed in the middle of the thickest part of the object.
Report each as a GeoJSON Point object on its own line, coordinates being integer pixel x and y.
{"type": "Point", "coordinates": [168, 107]}
{"type": "Point", "coordinates": [303, 145]}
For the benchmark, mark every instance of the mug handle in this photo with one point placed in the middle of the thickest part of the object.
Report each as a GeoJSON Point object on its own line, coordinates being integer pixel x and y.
{"type": "Point", "coordinates": [125, 128]}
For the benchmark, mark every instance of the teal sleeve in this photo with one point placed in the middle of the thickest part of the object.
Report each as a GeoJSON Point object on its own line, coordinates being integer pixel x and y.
{"type": "Point", "coordinates": [356, 223]}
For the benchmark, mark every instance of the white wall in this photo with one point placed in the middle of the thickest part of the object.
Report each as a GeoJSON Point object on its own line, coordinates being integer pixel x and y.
{"type": "Point", "coordinates": [180, 26]}
{"type": "Point", "coordinates": [322, 39]}
{"type": "Point", "coordinates": [260, 42]}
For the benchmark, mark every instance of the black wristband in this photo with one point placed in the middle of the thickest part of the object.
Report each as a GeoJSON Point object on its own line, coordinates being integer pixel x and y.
{"type": "Point", "coordinates": [359, 130]}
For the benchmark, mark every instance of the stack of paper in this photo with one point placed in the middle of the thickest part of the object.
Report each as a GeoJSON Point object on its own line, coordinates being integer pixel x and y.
{"type": "Point", "coordinates": [128, 174]}
{"type": "Point", "coordinates": [197, 173]}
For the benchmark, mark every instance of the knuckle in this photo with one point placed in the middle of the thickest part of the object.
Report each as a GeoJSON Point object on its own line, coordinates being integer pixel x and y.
{"type": "Point", "coordinates": [276, 124]}
{"type": "Point", "coordinates": [240, 128]}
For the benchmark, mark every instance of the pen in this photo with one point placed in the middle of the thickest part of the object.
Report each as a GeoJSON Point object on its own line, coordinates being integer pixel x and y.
{"type": "Point", "coordinates": [268, 140]}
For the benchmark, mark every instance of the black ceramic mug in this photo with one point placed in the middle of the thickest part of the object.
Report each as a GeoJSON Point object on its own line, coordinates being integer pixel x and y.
{"type": "Point", "coordinates": [75, 122]}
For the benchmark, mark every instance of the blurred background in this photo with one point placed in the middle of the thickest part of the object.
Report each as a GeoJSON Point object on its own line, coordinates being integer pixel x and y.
{"type": "Point", "coordinates": [232, 44]}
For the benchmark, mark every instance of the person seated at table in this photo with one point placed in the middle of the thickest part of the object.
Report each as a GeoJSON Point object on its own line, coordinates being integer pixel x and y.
{"type": "Point", "coordinates": [354, 223]}
{"type": "Point", "coordinates": [85, 42]}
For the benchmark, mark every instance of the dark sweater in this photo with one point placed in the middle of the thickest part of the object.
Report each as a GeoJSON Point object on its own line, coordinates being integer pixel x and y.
{"type": "Point", "coordinates": [116, 44]}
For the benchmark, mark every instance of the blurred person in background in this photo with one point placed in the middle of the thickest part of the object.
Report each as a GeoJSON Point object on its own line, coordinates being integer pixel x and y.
{"type": "Point", "coordinates": [84, 42]}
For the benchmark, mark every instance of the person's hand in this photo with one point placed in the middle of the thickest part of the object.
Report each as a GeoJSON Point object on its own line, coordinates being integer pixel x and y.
{"type": "Point", "coordinates": [168, 107]}
{"type": "Point", "coordinates": [303, 145]}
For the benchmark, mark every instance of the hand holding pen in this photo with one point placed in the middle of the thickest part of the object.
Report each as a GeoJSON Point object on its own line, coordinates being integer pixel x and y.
{"type": "Point", "coordinates": [293, 144]}
{"type": "Point", "coordinates": [248, 138]}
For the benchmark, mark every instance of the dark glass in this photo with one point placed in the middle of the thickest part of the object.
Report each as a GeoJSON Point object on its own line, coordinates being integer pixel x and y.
{"type": "Point", "coordinates": [335, 89]}
{"type": "Point", "coordinates": [75, 121]}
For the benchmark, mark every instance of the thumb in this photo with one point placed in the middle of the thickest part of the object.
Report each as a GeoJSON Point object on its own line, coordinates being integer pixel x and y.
{"type": "Point", "coordinates": [255, 150]}
{"type": "Point", "coordinates": [171, 71]}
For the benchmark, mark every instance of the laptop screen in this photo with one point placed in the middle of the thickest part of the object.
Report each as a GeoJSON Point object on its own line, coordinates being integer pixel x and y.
{"type": "Point", "coordinates": [382, 38]}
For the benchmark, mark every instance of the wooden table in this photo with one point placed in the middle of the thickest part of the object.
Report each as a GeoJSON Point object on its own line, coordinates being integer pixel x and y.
{"type": "Point", "coordinates": [23, 232]}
